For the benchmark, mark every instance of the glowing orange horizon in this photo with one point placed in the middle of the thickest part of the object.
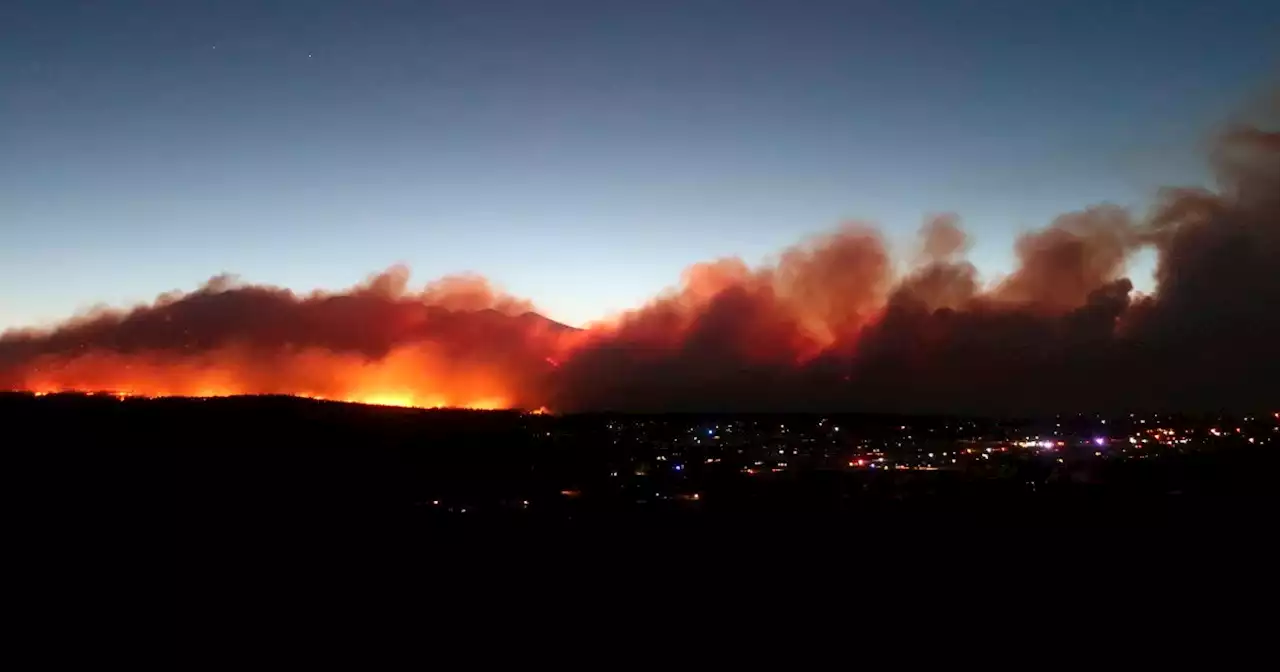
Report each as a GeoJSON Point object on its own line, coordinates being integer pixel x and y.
{"type": "Point", "coordinates": [410, 377]}
{"type": "Point", "coordinates": [391, 401]}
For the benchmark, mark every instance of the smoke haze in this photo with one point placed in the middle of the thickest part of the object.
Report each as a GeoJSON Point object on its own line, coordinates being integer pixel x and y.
{"type": "Point", "coordinates": [830, 325]}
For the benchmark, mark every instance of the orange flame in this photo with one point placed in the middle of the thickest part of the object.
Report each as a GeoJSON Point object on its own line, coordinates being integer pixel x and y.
{"type": "Point", "coordinates": [409, 377]}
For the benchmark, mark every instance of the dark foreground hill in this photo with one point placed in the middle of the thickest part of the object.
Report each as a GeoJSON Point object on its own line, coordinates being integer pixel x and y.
{"type": "Point", "coordinates": [278, 466]}
{"type": "Point", "coordinates": [240, 494]}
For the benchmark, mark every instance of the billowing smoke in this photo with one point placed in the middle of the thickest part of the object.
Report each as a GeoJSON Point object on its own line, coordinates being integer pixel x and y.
{"type": "Point", "coordinates": [457, 342]}
{"type": "Point", "coordinates": [830, 325]}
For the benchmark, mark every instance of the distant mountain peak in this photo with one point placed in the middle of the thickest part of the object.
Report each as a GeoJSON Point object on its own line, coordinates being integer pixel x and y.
{"type": "Point", "coordinates": [538, 318]}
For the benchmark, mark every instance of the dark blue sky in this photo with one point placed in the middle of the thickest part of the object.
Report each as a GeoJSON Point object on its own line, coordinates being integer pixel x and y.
{"type": "Point", "coordinates": [580, 153]}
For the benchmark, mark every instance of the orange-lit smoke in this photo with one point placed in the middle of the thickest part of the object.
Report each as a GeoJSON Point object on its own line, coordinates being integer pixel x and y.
{"type": "Point", "coordinates": [407, 376]}
{"type": "Point", "coordinates": [831, 324]}
{"type": "Point", "coordinates": [456, 343]}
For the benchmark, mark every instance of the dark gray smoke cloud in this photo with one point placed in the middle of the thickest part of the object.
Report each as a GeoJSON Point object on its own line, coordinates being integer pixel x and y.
{"type": "Point", "coordinates": [1064, 332]}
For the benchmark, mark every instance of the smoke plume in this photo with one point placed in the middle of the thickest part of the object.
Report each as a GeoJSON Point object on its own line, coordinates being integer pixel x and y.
{"type": "Point", "coordinates": [831, 324]}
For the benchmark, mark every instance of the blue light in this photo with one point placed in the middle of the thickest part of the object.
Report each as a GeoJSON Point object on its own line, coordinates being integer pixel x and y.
{"type": "Point", "coordinates": [710, 432]}
{"type": "Point", "coordinates": [678, 467]}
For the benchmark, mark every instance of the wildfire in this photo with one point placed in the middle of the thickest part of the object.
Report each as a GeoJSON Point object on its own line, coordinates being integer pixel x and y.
{"type": "Point", "coordinates": [834, 321]}
{"type": "Point", "coordinates": [408, 378]}
{"type": "Point", "coordinates": [390, 400]}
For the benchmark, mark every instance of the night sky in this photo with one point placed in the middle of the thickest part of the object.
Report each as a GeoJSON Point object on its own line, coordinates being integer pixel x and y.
{"type": "Point", "coordinates": [578, 153]}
